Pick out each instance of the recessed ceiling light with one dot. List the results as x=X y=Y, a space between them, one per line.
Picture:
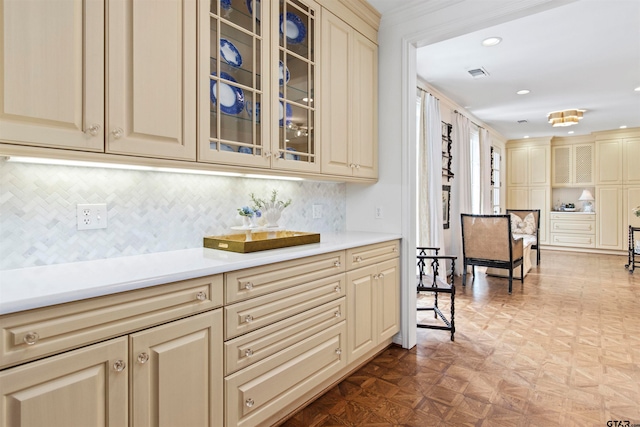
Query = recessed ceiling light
x=491 y=41
x=526 y=136
x=570 y=132
x=523 y=92
x=623 y=127
x=637 y=89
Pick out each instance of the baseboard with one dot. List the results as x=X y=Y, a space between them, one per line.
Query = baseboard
x=584 y=250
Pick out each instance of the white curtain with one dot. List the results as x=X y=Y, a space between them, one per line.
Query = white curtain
x=461 y=184
x=430 y=231
x=486 y=205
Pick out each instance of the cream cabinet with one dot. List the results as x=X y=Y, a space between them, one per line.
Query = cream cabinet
x=609 y=230
x=573 y=229
x=631 y=160
x=528 y=165
x=53 y=71
x=349 y=100
x=609 y=162
x=163 y=369
x=572 y=165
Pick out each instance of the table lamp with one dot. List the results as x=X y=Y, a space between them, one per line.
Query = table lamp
x=587 y=198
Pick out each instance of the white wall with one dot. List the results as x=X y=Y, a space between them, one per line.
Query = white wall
x=415 y=23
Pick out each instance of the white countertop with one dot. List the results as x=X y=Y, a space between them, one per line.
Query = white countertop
x=35 y=287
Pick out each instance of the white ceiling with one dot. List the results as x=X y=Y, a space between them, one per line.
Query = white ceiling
x=583 y=55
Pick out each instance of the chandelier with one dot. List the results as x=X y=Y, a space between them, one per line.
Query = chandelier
x=565 y=118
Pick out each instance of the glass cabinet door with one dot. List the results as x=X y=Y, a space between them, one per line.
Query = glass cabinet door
x=293 y=136
x=231 y=118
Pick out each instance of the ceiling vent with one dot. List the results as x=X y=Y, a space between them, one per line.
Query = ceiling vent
x=476 y=73
x=522 y=122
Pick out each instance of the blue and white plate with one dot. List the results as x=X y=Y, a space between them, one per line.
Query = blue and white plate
x=231 y=97
x=296 y=31
x=225 y=4
x=250 y=8
x=249 y=109
x=245 y=150
x=284 y=74
x=226 y=147
x=230 y=53
x=290 y=156
x=281 y=111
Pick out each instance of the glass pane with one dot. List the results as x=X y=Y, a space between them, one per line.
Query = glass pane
x=298 y=86
x=236 y=53
x=294 y=29
x=213 y=49
x=239 y=11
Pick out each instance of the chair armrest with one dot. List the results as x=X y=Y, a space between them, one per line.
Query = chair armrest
x=517 y=248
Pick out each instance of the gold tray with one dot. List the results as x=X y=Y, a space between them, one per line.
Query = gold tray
x=260 y=241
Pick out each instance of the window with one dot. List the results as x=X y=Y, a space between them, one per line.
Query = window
x=495 y=180
x=475 y=170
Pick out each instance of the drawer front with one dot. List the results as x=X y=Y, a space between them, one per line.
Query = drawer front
x=577 y=227
x=32 y=334
x=372 y=254
x=253 y=282
x=572 y=217
x=247 y=316
x=573 y=240
x=255 y=346
x=282 y=382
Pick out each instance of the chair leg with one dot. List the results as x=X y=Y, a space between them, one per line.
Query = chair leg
x=522 y=272
x=464 y=275
x=453 y=297
x=510 y=279
x=538 y=256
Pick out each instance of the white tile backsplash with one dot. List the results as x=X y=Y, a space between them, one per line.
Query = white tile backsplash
x=147 y=211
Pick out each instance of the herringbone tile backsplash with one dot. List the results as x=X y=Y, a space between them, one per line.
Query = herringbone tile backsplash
x=147 y=211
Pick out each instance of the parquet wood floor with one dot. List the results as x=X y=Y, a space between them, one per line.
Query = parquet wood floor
x=562 y=350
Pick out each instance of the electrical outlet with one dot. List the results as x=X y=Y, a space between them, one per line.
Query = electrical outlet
x=91 y=216
x=379 y=213
x=317 y=211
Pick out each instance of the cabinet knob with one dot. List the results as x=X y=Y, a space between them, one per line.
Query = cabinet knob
x=201 y=296
x=266 y=153
x=143 y=358
x=248 y=318
x=357 y=166
x=119 y=365
x=395 y=249
x=249 y=403
x=31 y=338
x=358 y=259
x=93 y=130
x=381 y=276
x=338 y=351
x=248 y=352
x=337 y=264
x=338 y=289
x=117 y=133
x=338 y=314
x=248 y=286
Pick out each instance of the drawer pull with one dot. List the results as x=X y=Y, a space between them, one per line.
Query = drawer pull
x=117 y=133
x=358 y=259
x=338 y=314
x=31 y=338
x=395 y=249
x=143 y=358
x=201 y=296
x=248 y=318
x=376 y=276
x=381 y=276
x=248 y=352
x=93 y=130
x=338 y=351
x=249 y=403
x=248 y=286
x=337 y=289
x=337 y=264
x=119 y=365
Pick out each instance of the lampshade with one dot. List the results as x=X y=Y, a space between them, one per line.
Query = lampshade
x=586 y=196
x=565 y=118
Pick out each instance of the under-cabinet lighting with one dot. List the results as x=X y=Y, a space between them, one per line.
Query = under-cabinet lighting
x=104 y=165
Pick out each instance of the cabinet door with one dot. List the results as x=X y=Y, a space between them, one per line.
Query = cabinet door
x=609 y=230
x=337 y=102
x=518 y=198
x=517 y=166
x=361 y=315
x=631 y=159
x=561 y=165
x=152 y=78
x=52 y=73
x=609 y=162
x=176 y=373
x=583 y=164
x=85 y=387
x=364 y=123
x=539 y=199
x=388 y=283
x=539 y=159
x=632 y=200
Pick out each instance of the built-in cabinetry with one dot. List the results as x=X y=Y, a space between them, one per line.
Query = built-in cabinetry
x=528 y=178
x=152 y=356
x=572 y=164
x=573 y=229
x=349 y=100
x=232 y=85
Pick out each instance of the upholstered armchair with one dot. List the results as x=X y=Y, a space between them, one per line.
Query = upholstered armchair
x=527 y=227
x=487 y=241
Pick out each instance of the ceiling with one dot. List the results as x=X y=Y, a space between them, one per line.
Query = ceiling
x=582 y=55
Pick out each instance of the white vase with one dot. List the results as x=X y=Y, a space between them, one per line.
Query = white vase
x=272 y=216
x=246 y=221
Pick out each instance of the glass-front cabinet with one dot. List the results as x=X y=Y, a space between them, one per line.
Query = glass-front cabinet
x=258 y=67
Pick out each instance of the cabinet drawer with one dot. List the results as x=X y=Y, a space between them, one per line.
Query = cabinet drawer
x=372 y=254
x=574 y=227
x=247 y=316
x=574 y=240
x=573 y=217
x=32 y=334
x=251 y=348
x=253 y=282
x=280 y=383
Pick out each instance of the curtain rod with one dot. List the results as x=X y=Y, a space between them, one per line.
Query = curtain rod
x=456 y=111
